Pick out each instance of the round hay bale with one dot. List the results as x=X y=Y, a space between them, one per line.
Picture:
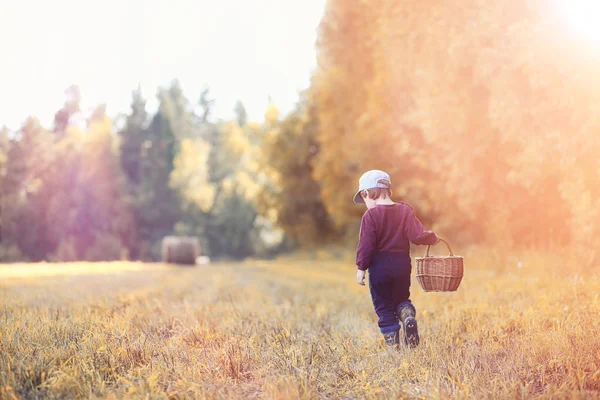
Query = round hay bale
x=180 y=250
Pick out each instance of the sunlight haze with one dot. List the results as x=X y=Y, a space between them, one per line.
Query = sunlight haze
x=241 y=50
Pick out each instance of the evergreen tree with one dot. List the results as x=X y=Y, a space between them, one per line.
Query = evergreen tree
x=241 y=116
x=132 y=142
x=132 y=139
x=158 y=205
x=206 y=104
x=176 y=108
x=71 y=107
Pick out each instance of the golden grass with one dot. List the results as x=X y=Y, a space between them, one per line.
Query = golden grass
x=293 y=329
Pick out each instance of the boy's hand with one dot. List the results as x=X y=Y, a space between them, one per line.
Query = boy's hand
x=360 y=277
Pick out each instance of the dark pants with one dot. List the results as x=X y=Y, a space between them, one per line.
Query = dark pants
x=389 y=282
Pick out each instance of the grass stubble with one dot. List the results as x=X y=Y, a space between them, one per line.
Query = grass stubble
x=521 y=327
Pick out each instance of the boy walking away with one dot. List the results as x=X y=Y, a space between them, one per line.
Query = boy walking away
x=386 y=230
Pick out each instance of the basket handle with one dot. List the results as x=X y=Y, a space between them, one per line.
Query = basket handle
x=441 y=240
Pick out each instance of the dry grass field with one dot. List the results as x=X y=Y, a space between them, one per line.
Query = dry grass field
x=518 y=327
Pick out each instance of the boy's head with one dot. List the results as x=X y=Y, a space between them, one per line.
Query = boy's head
x=372 y=185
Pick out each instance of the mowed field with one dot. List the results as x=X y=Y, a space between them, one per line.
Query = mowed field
x=518 y=327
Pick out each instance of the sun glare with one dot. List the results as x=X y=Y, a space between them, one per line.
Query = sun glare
x=582 y=16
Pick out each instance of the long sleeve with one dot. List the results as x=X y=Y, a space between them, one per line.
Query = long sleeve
x=367 y=242
x=416 y=233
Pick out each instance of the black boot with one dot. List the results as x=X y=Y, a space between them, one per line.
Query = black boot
x=392 y=338
x=407 y=315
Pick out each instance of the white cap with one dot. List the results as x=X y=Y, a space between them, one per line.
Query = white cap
x=369 y=180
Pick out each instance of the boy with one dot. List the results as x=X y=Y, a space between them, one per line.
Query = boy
x=386 y=230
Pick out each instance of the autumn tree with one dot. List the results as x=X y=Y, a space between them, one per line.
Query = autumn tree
x=289 y=194
x=481 y=112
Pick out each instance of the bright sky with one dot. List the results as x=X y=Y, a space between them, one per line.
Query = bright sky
x=241 y=49
x=582 y=15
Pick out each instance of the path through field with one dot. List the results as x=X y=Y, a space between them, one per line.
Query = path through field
x=291 y=329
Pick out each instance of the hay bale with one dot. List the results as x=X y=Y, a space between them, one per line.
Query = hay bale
x=180 y=250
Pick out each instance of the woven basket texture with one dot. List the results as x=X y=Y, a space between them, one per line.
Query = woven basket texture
x=439 y=274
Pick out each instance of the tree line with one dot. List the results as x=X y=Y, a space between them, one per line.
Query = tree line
x=483 y=114
x=109 y=190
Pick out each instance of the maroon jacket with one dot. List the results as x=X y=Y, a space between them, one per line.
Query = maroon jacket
x=390 y=228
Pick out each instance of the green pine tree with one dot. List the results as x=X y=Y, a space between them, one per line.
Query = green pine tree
x=157 y=204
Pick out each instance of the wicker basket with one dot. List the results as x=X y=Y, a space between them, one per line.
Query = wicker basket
x=439 y=273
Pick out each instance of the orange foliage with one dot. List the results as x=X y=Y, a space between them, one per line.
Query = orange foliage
x=483 y=113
